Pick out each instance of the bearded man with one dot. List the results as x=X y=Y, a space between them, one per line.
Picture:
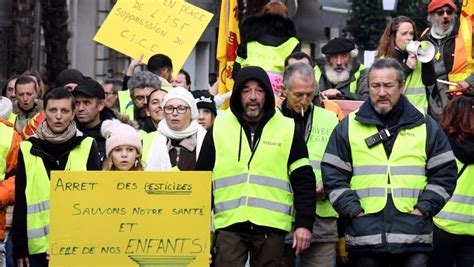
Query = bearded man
x=446 y=34
x=338 y=77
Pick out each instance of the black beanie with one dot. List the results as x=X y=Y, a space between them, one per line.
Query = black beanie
x=69 y=76
x=205 y=100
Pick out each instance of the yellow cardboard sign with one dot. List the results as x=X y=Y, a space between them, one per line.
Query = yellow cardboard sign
x=170 y=27
x=130 y=218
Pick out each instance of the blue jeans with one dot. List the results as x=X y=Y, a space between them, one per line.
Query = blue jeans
x=8 y=249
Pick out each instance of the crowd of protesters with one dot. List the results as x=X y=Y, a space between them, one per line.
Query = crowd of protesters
x=297 y=180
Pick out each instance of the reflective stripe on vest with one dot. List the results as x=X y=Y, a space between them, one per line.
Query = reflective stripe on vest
x=254 y=187
x=352 y=85
x=462 y=65
x=457 y=216
x=322 y=126
x=38 y=192
x=372 y=240
x=6 y=137
x=403 y=174
x=269 y=58
x=415 y=89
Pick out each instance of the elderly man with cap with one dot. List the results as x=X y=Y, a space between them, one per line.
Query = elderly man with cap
x=338 y=77
x=91 y=112
x=450 y=61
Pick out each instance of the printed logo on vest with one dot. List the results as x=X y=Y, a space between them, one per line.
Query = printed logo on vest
x=269 y=143
x=405 y=133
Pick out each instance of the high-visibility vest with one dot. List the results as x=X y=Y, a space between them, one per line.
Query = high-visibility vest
x=415 y=89
x=323 y=123
x=12 y=118
x=352 y=85
x=38 y=192
x=126 y=104
x=6 y=137
x=254 y=186
x=166 y=87
x=372 y=170
x=147 y=140
x=269 y=58
x=457 y=215
x=462 y=65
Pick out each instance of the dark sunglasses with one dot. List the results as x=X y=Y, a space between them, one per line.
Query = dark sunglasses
x=440 y=12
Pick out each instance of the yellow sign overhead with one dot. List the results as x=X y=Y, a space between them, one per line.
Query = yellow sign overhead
x=170 y=27
x=130 y=218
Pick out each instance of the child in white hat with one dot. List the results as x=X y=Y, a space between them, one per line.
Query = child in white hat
x=123 y=146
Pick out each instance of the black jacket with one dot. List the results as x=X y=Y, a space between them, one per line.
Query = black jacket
x=94 y=132
x=54 y=157
x=440 y=172
x=302 y=179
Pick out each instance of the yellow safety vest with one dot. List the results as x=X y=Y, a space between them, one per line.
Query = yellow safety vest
x=457 y=216
x=462 y=65
x=322 y=126
x=403 y=174
x=126 y=104
x=147 y=140
x=269 y=58
x=12 y=118
x=415 y=89
x=38 y=192
x=6 y=137
x=254 y=186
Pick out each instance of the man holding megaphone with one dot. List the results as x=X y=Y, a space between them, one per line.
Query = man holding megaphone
x=397 y=42
x=452 y=57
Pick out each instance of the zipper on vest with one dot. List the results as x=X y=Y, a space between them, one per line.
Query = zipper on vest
x=251 y=139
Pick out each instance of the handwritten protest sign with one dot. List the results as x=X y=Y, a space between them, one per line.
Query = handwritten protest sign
x=170 y=27
x=130 y=218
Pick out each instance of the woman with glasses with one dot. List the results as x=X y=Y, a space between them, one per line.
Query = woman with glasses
x=397 y=34
x=178 y=140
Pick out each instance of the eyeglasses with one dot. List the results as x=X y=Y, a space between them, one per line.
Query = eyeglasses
x=179 y=109
x=440 y=12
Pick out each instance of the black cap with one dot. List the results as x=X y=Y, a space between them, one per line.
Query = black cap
x=90 y=88
x=338 y=45
x=205 y=100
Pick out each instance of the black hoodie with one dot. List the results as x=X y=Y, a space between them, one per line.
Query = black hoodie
x=302 y=179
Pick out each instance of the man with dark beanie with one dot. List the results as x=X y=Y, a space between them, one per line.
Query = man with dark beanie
x=69 y=79
x=261 y=177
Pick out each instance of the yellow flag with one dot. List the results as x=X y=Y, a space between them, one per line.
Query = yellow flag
x=228 y=40
x=467 y=8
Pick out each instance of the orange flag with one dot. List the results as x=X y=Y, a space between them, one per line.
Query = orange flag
x=227 y=42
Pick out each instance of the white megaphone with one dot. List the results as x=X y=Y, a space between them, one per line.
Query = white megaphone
x=423 y=50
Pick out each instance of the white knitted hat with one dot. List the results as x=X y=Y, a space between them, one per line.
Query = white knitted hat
x=117 y=134
x=5 y=107
x=186 y=96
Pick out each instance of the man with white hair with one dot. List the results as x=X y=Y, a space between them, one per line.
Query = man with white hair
x=450 y=60
x=338 y=77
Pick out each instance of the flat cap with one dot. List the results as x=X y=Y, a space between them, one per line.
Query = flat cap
x=338 y=45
